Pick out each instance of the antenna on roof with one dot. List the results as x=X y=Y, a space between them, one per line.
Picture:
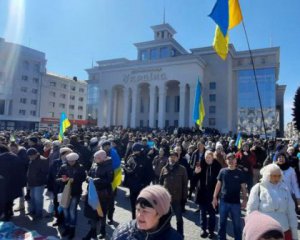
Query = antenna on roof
x=164 y=15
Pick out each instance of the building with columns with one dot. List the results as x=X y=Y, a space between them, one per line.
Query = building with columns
x=157 y=89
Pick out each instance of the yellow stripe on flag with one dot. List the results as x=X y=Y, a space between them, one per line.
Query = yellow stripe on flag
x=235 y=13
x=117 y=178
x=220 y=43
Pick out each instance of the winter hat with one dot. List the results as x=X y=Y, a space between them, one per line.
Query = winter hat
x=219 y=145
x=101 y=154
x=137 y=147
x=72 y=157
x=31 y=151
x=33 y=139
x=257 y=224
x=56 y=143
x=64 y=149
x=158 y=197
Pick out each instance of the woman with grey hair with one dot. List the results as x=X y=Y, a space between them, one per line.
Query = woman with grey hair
x=273 y=198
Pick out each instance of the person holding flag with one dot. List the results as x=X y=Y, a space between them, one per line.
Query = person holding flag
x=64 y=123
x=100 y=178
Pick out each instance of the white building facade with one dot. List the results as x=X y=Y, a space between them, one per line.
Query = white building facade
x=157 y=89
x=62 y=94
x=21 y=73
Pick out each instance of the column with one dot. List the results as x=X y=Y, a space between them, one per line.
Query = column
x=192 y=99
x=115 y=107
x=134 y=96
x=152 y=99
x=162 y=106
x=100 y=121
x=109 y=107
x=182 y=94
x=125 y=107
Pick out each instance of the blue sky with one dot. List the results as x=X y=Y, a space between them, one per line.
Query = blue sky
x=74 y=33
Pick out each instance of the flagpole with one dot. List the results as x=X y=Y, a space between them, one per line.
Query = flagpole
x=255 y=79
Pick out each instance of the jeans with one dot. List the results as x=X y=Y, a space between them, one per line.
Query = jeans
x=235 y=212
x=205 y=209
x=70 y=213
x=177 y=210
x=36 y=200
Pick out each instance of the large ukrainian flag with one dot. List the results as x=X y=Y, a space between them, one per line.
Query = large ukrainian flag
x=199 y=111
x=93 y=199
x=226 y=14
x=64 y=124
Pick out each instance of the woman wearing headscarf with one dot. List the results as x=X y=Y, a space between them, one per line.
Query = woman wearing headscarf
x=153 y=216
x=273 y=198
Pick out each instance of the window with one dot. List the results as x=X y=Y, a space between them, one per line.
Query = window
x=175 y=123
x=64 y=86
x=71 y=116
x=80 y=108
x=35 y=80
x=212 y=109
x=24 y=78
x=37 y=67
x=62 y=95
x=72 y=97
x=212 y=85
x=154 y=54
x=23 y=89
x=1 y=78
x=81 y=90
x=33 y=101
x=52 y=104
x=73 y=88
x=33 y=113
x=212 y=122
x=144 y=55
x=52 y=84
x=51 y=114
x=23 y=100
x=22 y=112
x=71 y=107
x=164 y=52
x=62 y=105
x=52 y=94
x=79 y=116
x=212 y=97
x=80 y=99
x=34 y=90
x=177 y=103
x=141 y=123
x=26 y=65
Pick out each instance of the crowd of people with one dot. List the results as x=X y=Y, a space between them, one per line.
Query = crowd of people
x=162 y=170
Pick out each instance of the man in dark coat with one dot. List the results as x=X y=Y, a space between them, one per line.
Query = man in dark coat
x=11 y=168
x=139 y=173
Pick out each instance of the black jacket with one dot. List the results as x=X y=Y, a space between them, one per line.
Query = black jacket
x=130 y=231
x=77 y=173
x=52 y=184
x=37 y=172
x=139 y=172
x=207 y=180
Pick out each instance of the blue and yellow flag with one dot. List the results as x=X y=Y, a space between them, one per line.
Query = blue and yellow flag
x=93 y=199
x=64 y=124
x=238 y=142
x=199 y=111
x=226 y=14
x=116 y=163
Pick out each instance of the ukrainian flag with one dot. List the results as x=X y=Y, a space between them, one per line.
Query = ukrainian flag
x=64 y=124
x=93 y=199
x=226 y=14
x=116 y=162
x=238 y=142
x=199 y=111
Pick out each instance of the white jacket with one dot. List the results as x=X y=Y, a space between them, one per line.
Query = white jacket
x=290 y=179
x=275 y=201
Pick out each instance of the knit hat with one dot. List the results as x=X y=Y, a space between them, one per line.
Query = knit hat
x=31 y=151
x=257 y=224
x=137 y=147
x=158 y=197
x=64 y=149
x=101 y=154
x=72 y=157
